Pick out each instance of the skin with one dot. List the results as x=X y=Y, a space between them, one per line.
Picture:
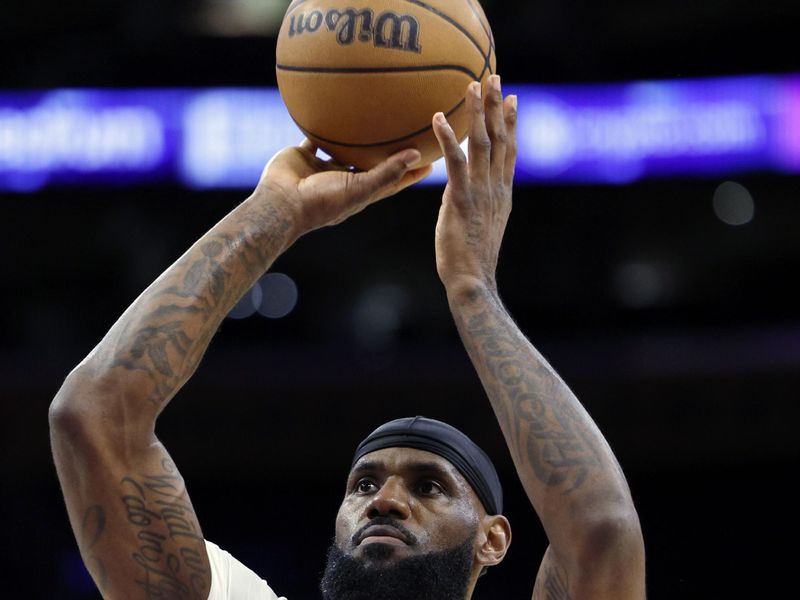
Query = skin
x=127 y=502
x=565 y=465
x=426 y=496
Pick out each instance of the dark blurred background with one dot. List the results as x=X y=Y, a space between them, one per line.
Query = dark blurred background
x=679 y=332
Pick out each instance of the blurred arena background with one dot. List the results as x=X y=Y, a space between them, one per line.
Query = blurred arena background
x=663 y=292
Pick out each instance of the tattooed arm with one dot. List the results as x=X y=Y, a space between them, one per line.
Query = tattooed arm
x=127 y=503
x=570 y=475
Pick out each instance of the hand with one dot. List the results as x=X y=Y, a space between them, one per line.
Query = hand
x=477 y=200
x=321 y=193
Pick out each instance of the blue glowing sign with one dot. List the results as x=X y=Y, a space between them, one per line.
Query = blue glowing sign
x=221 y=138
x=87 y=137
x=621 y=133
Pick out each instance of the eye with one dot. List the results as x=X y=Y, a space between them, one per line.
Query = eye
x=365 y=486
x=429 y=487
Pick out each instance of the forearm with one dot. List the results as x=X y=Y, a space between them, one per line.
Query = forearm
x=127 y=502
x=159 y=341
x=565 y=465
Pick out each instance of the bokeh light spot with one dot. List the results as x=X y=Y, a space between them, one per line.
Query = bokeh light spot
x=248 y=305
x=733 y=204
x=279 y=295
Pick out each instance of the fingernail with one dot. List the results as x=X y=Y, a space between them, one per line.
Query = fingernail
x=514 y=102
x=476 y=88
x=496 y=83
x=410 y=157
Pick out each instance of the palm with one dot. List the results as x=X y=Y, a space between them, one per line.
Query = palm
x=325 y=192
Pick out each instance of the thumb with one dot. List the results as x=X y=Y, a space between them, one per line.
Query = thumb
x=386 y=178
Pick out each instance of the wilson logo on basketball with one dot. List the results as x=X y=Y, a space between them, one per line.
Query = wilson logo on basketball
x=388 y=30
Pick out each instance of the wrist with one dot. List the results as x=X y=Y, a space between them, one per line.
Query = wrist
x=464 y=291
x=281 y=216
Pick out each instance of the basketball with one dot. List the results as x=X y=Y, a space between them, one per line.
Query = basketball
x=363 y=78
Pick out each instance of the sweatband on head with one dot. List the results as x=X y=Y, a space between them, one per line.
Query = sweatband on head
x=448 y=442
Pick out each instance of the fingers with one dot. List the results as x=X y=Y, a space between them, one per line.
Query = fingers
x=412 y=177
x=454 y=158
x=388 y=177
x=496 y=128
x=510 y=113
x=480 y=145
x=492 y=137
x=308 y=145
x=309 y=148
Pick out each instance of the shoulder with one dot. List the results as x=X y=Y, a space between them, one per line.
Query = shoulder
x=231 y=580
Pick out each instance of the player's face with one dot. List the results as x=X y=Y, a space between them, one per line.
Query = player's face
x=403 y=502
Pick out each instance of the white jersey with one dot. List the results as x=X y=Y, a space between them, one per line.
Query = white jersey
x=231 y=580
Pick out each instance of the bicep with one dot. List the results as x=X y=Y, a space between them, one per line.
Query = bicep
x=132 y=517
x=594 y=581
x=552 y=581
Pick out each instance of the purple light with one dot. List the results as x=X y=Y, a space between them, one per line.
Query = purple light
x=787 y=145
x=78 y=137
x=621 y=133
x=221 y=138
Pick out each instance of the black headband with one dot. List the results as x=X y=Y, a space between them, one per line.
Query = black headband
x=446 y=441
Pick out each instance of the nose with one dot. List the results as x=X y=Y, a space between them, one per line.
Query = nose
x=391 y=500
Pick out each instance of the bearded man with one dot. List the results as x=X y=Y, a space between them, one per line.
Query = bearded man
x=422 y=515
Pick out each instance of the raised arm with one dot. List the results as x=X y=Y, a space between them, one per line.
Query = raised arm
x=566 y=467
x=127 y=502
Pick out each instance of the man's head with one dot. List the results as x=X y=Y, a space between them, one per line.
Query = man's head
x=420 y=518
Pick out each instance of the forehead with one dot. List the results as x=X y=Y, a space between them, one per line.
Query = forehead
x=395 y=460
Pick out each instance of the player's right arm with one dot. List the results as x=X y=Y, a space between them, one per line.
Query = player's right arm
x=127 y=502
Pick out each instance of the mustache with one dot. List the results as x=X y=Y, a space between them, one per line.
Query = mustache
x=411 y=539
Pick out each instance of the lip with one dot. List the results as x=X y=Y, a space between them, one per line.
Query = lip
x=382 y=534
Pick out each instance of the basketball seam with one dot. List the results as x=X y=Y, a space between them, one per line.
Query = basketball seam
x=375 y=144
x=371 y=70
x=489 y=35
x=447 y=18
x=486 y=29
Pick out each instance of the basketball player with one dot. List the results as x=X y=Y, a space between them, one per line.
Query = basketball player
x=422 y=514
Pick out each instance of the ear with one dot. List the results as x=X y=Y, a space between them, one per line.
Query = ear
x=495 y=540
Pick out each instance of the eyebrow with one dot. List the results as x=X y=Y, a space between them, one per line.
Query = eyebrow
x=368 y=466
x=372 y=466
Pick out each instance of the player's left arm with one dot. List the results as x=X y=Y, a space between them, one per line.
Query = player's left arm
x=566 y=466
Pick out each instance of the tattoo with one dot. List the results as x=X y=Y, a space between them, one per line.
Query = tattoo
x=543 y=423
x=92 y=528
x=158 y=506
x=475 y=235
x=167 y=341
x=552 y=584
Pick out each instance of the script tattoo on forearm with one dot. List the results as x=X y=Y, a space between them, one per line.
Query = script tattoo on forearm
x=543 y=422
x=168 y=336
x=92 y=528
x=170 y=552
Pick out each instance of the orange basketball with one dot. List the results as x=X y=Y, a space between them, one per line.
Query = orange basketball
x=363 y=78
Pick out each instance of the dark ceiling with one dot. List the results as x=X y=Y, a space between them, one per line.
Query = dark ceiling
x=151 y=42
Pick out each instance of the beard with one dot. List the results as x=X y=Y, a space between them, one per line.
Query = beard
x=442 y=575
